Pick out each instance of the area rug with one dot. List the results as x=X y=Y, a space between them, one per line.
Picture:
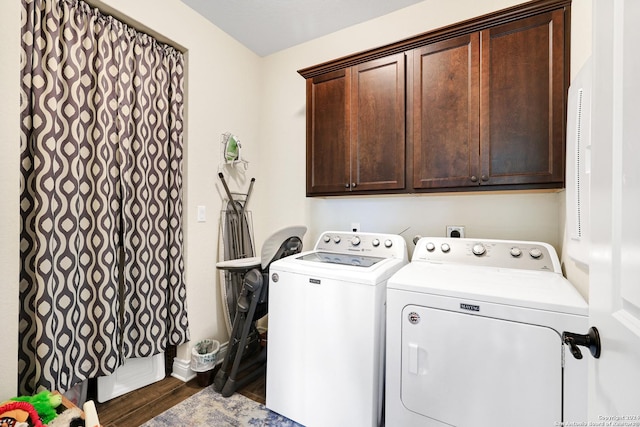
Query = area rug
x=209 y=408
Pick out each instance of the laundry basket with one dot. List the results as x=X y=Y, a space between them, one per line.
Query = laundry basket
x=203 y=360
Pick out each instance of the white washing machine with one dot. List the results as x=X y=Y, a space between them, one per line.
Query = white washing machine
x=474 y=337
x=325 y=352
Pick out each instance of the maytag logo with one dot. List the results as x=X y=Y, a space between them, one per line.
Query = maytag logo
x=469 y=307
x=314 y=281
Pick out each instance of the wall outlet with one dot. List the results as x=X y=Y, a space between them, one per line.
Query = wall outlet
x=355 y=227
x=455 y=231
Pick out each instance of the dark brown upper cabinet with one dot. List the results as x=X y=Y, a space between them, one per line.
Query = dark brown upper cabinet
x=488 y=107
x=445 y=113
x=355 y=128
x=522 y=101
x=328 y=147
x=477 y=105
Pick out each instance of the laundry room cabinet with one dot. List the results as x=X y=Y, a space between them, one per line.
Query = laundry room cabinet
x=355 y=128
x=488 y=107
x=445 y=113
x=478 y=105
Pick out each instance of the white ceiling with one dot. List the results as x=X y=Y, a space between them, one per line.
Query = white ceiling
x=268 y=26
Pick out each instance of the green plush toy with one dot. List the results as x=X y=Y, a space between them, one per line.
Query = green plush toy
x=45 y=404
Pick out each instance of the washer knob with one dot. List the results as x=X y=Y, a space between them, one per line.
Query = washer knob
x=515 y=252
x=535 y=253
x=445 y=247
x=326 y=238
x=388 y=243
x=431 y=247
x=375 y=243
x=337 y=239
x=355 y=241
x=478 y=249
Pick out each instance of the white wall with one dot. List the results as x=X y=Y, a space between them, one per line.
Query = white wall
x=581 y=42
x=9 y=191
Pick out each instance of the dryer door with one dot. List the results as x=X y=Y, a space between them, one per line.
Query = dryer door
x=468 y=370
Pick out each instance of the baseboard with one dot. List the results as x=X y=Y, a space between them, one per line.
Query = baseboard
x=182 y=370
x=222 y=353
x=182 y=367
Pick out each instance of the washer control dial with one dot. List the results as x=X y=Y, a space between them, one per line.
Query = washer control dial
x=431 y=247
x=355 y=241
x=478 y=249
x=388 y=243
x=337 y=239
x=535 y=253
x=445 y=247
x=375 y=243
x=515 y=252
x=326 y=238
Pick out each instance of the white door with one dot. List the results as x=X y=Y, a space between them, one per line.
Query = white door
x=614 y=290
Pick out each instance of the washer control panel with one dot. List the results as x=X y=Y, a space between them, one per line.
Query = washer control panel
x=517 y=254
x=366 y=244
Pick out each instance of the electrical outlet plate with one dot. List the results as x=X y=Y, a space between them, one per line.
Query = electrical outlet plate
x=455 y=231
x=355 y=227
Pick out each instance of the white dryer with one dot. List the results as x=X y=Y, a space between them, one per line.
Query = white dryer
x=474 y=337
x=325 y=352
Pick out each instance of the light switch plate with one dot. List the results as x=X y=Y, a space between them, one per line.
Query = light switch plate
x=202 y=213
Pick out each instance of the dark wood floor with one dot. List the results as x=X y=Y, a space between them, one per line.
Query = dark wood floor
x=139 y=406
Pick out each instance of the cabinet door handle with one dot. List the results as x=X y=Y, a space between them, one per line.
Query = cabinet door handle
x=346 y=185
x=354 y=185
x=484 y=178
x=474 y=178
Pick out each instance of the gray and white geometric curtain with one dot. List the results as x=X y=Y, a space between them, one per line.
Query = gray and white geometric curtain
x=102 y=272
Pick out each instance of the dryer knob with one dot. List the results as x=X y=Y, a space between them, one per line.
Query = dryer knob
x=326 y=238
x=445 y=247
x=431 y=247
x=336 y=239
x=515 y=252
x=479 y=249
x=375 y=243
x=388 y=243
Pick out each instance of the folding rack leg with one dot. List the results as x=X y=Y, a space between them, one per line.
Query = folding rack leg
x=247 y=303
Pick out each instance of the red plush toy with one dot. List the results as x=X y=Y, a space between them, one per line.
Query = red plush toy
x=19 y=406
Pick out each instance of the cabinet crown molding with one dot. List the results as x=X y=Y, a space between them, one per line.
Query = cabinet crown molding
x=483 y=22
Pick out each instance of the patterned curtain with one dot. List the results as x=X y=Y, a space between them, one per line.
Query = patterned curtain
x=102 y=276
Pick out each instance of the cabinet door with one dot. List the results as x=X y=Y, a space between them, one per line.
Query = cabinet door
x=377 y=124
x=328 y=97
x=445 y=113
x=522 y=101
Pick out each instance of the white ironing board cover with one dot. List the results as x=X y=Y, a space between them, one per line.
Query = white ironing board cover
x=269 y=249
x=240 y=263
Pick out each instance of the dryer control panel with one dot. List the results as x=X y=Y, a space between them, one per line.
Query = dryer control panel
x=365 y=244
x=522 y=255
